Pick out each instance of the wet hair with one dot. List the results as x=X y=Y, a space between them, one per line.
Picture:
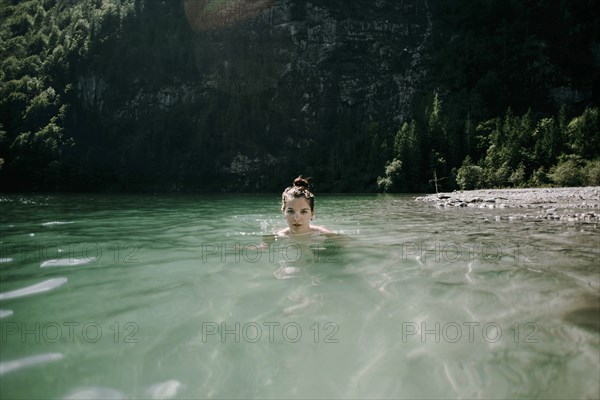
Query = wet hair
x=300 y=188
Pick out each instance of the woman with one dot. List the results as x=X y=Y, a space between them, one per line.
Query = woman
x=298 y=206
x=299 y=248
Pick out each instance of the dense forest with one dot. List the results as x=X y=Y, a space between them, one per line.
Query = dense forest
x=204 y=95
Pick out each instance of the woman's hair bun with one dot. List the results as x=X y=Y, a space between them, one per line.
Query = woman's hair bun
x=301 y=182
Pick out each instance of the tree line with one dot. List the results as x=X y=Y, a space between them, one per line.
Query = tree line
x=506 y=101
x=512 y=100
x=505 y=151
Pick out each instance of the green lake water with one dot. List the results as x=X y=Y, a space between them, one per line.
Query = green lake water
x=180 y=297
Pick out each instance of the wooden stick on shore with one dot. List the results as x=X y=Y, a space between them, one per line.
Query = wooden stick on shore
x=436 y=181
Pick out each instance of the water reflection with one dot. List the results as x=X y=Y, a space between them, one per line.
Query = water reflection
x=410 y=302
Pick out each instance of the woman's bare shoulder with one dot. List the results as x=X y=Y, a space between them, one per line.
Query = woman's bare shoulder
x=321 y=229
x=283 y=232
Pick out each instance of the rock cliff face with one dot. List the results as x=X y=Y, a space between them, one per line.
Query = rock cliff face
x=243 y=95
x=317 y=57
x=276 y=88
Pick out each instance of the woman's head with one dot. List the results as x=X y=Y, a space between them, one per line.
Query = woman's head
x=297 y=204
x=299 y=189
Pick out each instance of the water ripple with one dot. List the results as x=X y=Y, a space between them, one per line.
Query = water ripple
x=34 y=289
x=95 y=393
x=9 y=366
x=67 y=262
x=164 y=390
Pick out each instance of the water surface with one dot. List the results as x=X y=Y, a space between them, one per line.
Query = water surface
x=178 y=297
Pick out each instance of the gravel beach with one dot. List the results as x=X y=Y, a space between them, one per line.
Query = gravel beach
x=576 y=204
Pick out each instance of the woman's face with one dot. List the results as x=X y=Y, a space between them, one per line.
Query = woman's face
x=298 y=215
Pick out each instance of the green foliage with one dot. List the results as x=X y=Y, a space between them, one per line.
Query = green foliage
x=437 y=135
x=539 y=178
x=592 y=172
x=572 y=170
x=393 y=180
x=584 y=134
x=549 y=141
x=41 y=108
x=568 y=171
x=469 y=176
x=509 y=149
x=492 y=55
x=46 y=47
x=407 y=150
x=517 y=177
x=108 y=91
x=517 y=151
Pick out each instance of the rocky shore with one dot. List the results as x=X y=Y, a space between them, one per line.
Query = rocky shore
x=577 y=204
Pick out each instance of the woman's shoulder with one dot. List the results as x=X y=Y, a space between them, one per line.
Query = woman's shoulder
x=321 y=229
x=283 y=232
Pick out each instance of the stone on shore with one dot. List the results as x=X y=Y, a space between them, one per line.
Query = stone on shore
x=576 y=204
